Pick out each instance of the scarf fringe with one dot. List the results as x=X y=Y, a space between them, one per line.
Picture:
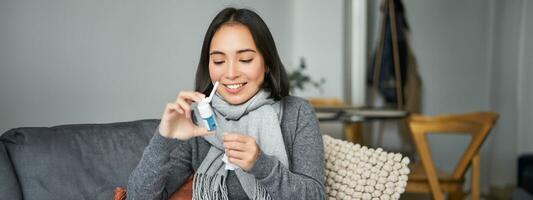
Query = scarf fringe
x=261 y=193
x=209 y=187
x=214 y=187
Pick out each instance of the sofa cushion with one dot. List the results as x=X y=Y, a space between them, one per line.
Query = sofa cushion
x=9 y=185
x=84 y=161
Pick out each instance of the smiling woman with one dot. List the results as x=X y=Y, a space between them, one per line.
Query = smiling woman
x=267 y=144
x=239 y=46
x=235 y=62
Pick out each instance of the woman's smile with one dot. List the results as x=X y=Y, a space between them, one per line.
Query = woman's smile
x=234 y=88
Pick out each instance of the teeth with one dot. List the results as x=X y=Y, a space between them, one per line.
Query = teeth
x=234 y=86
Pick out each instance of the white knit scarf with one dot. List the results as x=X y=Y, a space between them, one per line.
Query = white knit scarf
x=260 y=118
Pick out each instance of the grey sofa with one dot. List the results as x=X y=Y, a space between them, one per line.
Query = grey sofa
x=83 y=161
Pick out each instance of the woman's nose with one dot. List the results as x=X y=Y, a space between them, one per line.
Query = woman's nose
x=232 y=71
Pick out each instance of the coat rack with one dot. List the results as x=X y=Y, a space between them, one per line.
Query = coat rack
x=390 y=13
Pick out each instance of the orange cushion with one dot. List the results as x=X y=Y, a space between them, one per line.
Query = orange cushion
x=120 y=194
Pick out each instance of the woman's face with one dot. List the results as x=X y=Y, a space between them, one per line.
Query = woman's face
x=236 y=63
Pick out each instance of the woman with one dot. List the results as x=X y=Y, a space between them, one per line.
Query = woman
x=272 y=138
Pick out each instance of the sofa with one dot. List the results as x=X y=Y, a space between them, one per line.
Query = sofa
x=94 y=161
x=81 y=161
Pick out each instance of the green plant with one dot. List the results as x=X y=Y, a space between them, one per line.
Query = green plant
x=298 y=79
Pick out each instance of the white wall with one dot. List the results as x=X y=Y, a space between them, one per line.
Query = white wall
x=65 y=61
x=525 y=81
x=318 y=37
x=450 y=41
x=511 y=95
x=504 y=93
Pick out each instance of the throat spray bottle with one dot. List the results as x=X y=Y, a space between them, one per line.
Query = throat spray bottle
x=206 y=112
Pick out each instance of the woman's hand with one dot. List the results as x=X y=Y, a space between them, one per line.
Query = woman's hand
x=176 y=120
x=242 y=150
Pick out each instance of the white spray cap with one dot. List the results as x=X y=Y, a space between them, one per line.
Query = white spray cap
x=203 y=106
x=208 y=99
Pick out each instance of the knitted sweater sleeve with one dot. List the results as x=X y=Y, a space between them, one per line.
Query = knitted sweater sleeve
x=305 y=178
x=161 y=159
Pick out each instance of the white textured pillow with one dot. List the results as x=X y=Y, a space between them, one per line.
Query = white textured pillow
x=358 y=172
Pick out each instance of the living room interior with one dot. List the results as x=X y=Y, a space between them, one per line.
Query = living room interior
x=97 y=62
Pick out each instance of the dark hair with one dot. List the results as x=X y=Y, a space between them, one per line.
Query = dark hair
x=275 y=81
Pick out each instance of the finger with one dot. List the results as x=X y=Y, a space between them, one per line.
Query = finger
x=171 y=108
x=201 y=131
x=240 y=155
x=230 y=137
x=199 y=94
x=185 y=107
x=238 y=146
x=188 y=95
x=243 y=164
x=178 y=109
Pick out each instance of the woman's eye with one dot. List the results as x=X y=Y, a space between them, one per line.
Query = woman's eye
x=218 y=62
x=246 y=61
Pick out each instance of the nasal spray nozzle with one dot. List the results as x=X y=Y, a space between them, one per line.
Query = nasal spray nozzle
x=206 y=112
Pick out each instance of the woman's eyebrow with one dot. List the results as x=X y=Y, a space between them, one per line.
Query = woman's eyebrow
x=217 y=52
x=246 y=50
x=239 y=51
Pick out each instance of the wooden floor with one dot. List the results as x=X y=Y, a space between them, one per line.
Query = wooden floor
x=504 y=193
x=409 y=196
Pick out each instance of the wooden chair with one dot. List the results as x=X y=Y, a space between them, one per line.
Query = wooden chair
x=425 y=178
x=353 y=132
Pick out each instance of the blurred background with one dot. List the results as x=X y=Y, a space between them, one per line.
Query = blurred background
x=64 y=62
